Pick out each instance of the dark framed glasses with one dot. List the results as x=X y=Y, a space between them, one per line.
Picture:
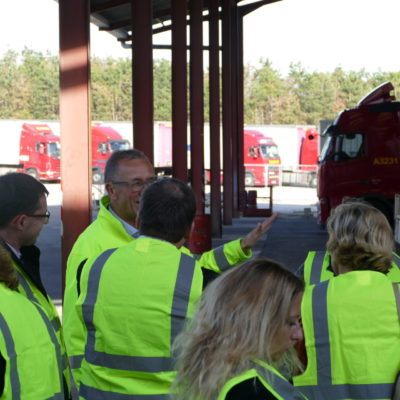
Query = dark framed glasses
x=45 y=216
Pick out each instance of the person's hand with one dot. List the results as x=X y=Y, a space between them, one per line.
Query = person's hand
x=252 y=237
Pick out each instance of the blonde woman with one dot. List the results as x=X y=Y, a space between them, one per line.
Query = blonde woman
x=247 y=322
x=351 y=322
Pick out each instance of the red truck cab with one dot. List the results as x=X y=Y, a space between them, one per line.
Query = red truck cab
x=361 y=154
x=105 y=140
x=261 y=159
x=39 y=152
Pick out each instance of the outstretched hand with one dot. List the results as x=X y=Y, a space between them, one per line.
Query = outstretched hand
x=253 y=236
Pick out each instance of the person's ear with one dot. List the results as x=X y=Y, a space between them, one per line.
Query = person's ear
x=18 y=221
x=110 y=190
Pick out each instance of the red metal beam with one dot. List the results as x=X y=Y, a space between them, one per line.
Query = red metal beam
x=75 y=122
x=227 y=111
x=197 y=103
x=179 y=90
x=215 y=120
x=142 y=77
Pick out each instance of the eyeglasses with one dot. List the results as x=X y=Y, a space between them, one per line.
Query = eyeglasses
x=136 y=184
x=45 y=216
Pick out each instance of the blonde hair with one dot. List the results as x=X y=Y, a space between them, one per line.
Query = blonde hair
x=360 y=237
x=7 y=271
x=239 y=315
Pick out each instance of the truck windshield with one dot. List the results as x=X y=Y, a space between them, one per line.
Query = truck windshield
x=53 y=149
x=119 y=145
x=325 y=148
x=269 y=151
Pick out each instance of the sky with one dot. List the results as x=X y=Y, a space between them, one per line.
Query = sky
x=320 y=34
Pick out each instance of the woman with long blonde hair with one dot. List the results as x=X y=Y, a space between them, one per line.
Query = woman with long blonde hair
x=241 y=337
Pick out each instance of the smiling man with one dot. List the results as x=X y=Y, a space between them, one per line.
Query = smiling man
x=23 y=214
x=127 y=174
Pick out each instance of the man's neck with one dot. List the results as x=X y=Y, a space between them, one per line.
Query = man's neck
x=10 y=239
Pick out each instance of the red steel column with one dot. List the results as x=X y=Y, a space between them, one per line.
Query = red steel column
x=197 y=102
x=234 y=105
x=179 y=90
x=215 y=130
x=74 y=122
x=227 y=109
x=240 y=117
x=142 y=76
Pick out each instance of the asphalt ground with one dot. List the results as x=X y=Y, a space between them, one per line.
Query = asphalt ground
x=293 y=234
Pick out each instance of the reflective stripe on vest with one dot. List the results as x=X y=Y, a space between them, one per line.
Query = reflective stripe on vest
x=57 y=347
x=29 y=294
x=325 y=388
x=178 y=314
x=220 y=258
x=9 y=341
x=87 y=392
x=316 y=267
x=285 y=389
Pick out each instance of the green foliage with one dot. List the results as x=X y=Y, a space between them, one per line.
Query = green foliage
x=29 y=89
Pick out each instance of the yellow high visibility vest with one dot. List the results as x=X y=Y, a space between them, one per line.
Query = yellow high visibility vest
x=352 y=336
x=276 y=385
x=30 y=349
x=134 y=302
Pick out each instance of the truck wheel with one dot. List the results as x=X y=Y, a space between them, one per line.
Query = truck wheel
x=249 y=179
x=97 y=177
x=33 y=173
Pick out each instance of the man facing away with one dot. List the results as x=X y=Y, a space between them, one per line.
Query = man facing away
x=23 y=213
x=127 y=174
x=135 y=299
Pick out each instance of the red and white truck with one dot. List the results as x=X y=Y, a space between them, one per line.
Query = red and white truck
x=31 y=148
x=34 y=148
x=299 y=149
x=361 y=154
x=261 y=155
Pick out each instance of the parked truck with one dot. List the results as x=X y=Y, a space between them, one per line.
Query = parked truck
x=31 y=148
x=361 y=154
x=34 y=148
x=299 y=149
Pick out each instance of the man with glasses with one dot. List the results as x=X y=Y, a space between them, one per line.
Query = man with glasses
x=127 y=174
x=23 y=213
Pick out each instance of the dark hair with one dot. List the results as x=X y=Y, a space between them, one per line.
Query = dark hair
x=167 y=210
x=19 y=194
x=112 y=163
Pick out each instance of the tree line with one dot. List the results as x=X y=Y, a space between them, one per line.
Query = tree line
x=29 y=89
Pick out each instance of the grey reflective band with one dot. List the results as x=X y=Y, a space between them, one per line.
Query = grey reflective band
x=179 y=309
x=56 y=344
x=76 y=361
x=349 y=391
x=281 y=386
x=325 y=389
x=321 y=333
x=55 y=322
x=181 y=297
x=89 y=393
x=397 y=297
x=58 y=396
x=9 y=341
x=220 y=258
x=316 y=267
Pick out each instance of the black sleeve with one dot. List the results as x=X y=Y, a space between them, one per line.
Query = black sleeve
x=208 y=276
x=251 y=389
x=78 y=276
x=2 y=373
